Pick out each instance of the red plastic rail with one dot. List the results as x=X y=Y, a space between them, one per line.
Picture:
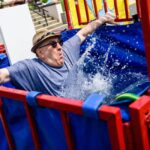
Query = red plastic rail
x=105 y=6
x=126 y=9
x=21 y=96
x=78 y=11
x=109 y=114
x=68 y=14
x=86 y=10
x=138 y=111
x=145 y=18
x=116 y=9
x=32 y=126
x=67 y=130
x=128 y=136
x=2 y=48
x=138 y=8
x=80 y=22
x=95 y=8
x=6 y=127
x=61 y=104
x=115 y=127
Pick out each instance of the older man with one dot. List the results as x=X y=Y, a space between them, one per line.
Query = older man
x=50 y=69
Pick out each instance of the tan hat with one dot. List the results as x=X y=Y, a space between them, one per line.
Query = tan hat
x=41 y=36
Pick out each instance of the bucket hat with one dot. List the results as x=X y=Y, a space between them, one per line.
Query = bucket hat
x=41 y=36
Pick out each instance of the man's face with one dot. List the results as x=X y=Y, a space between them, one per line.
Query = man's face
x=50 y=52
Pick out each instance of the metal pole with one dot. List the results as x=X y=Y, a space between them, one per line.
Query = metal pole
x=68 y=14
x=145 y=19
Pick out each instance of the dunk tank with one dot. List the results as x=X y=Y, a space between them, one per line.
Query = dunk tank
x=105 y=103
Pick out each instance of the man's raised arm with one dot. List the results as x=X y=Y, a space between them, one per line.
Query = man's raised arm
x=92 y=26
x=4 y=76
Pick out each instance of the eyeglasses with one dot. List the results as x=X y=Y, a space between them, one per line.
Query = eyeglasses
x=52 y=43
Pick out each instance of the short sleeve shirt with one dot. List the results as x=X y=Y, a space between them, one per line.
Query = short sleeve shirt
x=35 y=75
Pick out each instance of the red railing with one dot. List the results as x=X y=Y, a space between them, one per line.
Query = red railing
x=145 y=19
x=2 y=48
x=140 y=130
x=126 y=134
x=61 y=104
x=127 y=16
x=6 y=127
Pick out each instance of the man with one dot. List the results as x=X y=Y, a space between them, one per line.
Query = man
x=50 y=69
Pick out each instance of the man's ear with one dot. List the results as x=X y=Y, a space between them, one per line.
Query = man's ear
x=39 y=53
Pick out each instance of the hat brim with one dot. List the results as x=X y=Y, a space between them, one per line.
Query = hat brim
x=34 y=48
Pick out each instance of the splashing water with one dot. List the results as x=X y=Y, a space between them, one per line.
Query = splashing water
x=81 y=84
x=141 y=79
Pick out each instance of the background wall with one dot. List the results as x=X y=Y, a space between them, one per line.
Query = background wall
x=1 y=40
x=17 y=30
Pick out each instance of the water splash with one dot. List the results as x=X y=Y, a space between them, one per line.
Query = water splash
x=101 y=78
x=79 y=84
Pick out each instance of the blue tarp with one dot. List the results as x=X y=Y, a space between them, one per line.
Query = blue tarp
x=126 y=46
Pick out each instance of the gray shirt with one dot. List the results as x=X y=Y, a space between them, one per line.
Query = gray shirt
x=35 y=75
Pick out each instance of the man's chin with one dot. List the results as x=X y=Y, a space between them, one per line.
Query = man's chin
x=60 y=64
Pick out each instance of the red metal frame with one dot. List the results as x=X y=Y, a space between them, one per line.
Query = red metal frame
x=124 y=137
x=32 y=126
x=78 y=11
x=67 y=130
x=68 y=14
x=6 y=127
x=126 y=9
x=128 y=136
x=113 y=118
x=86 y=10
x=61 y=104
x=2 y=48
x=95 y=8
x=80 y=22
x=138 y=111
x=138 y=8
x=116 y=9
x=109 y=114
x=105 y=6
x=145 y=19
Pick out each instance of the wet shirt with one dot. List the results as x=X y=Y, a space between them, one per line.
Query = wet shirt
x=35 y=75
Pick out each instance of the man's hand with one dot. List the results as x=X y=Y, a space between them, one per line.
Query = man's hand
x=92 y=26
x=4 y=76
x=107 y=18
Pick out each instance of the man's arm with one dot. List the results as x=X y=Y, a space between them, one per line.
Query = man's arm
x=4 y=76
x=92 y=26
